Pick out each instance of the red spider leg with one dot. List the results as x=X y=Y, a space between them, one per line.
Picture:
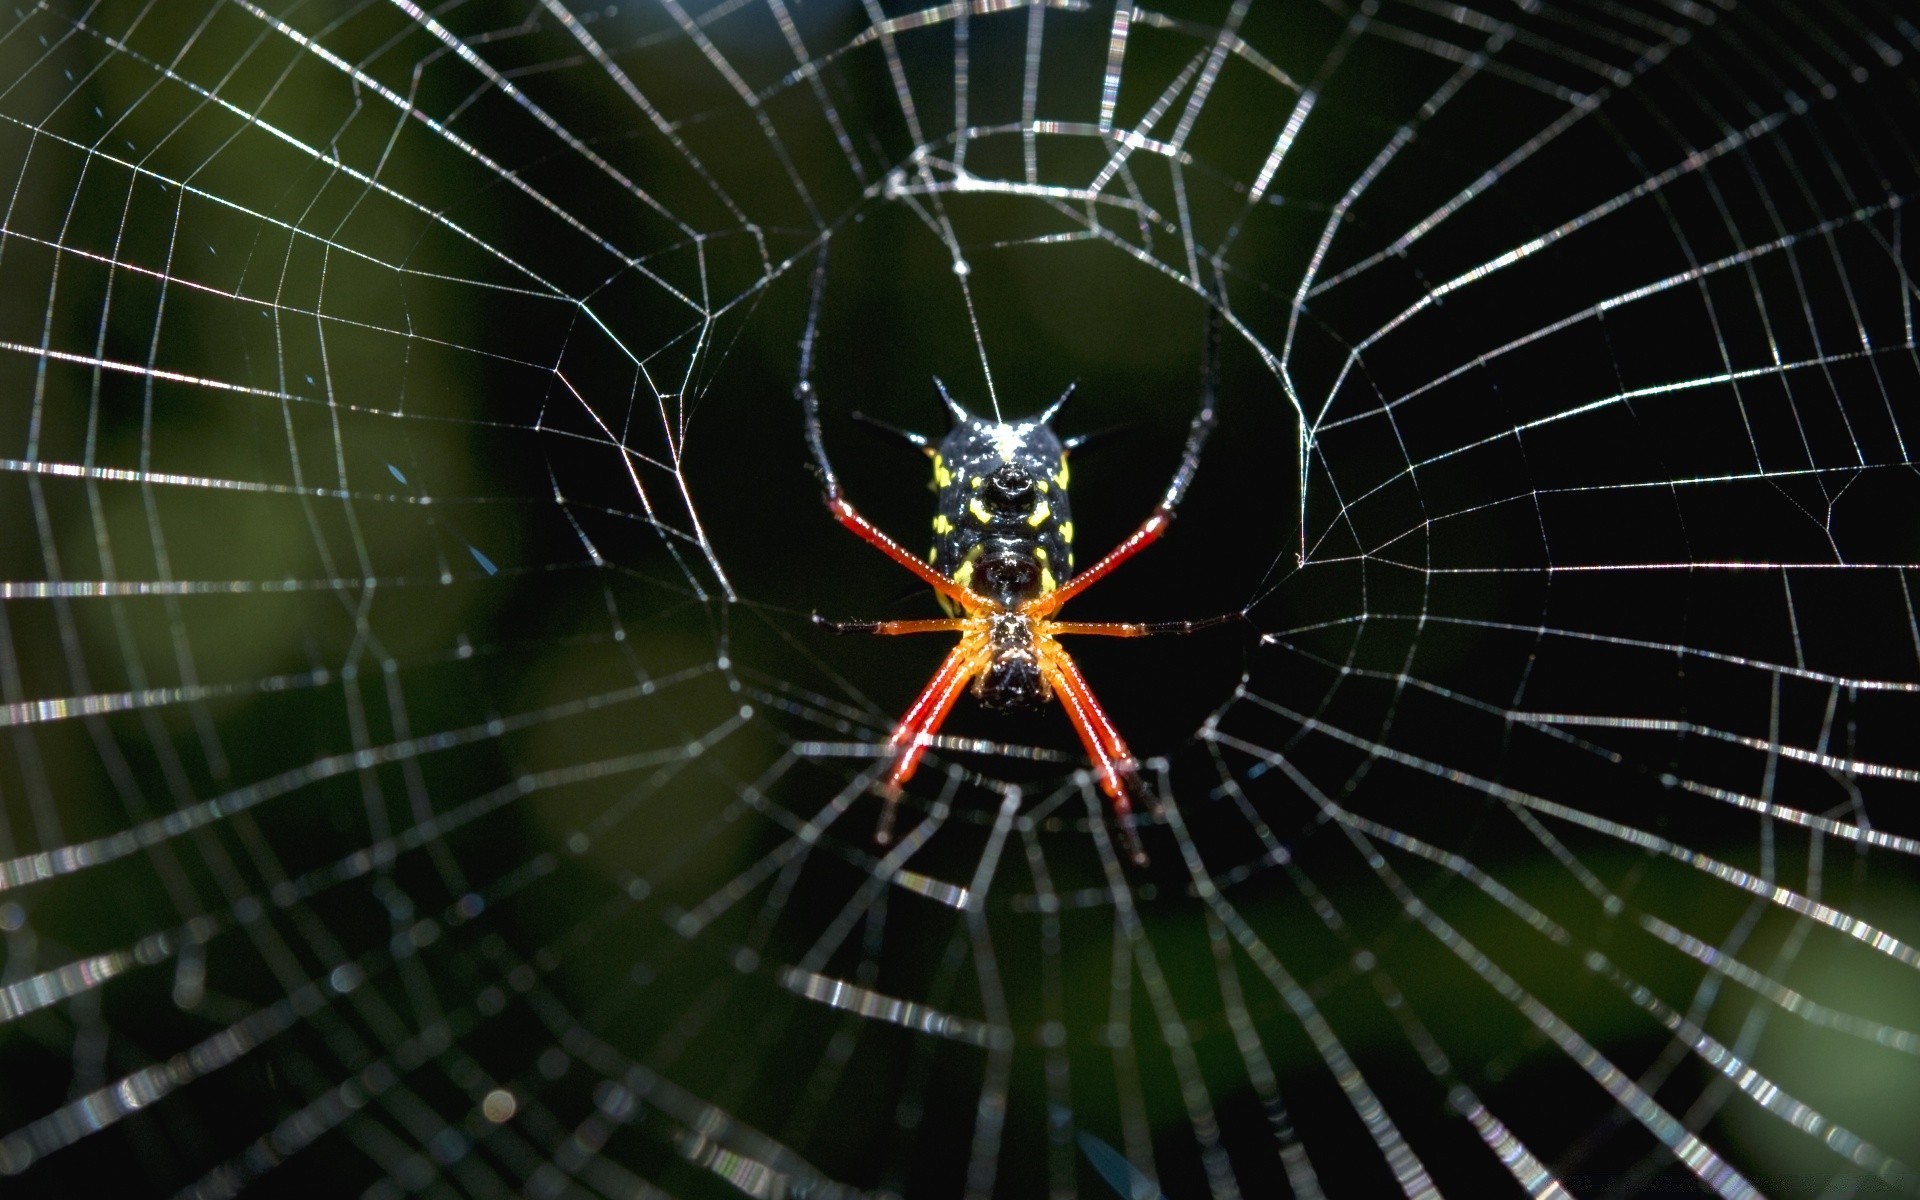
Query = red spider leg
x=915 y=731
x=1150 y=529
x=1114 y=764
x=1148 y=533
x=845 y=513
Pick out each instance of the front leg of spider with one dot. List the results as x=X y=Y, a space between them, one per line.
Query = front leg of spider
x=1002 y=565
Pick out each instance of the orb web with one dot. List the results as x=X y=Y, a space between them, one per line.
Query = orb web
x=421 y=773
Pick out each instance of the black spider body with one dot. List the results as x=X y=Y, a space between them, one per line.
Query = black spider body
x=1002 y=565
x=1002 y=524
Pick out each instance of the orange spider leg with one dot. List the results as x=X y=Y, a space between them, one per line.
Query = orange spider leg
x=892 y=628
x=916 y=729
x=1114 y=764
x=936 y=625
x=845 y=513
x=1130 y=629
x=1098 y=628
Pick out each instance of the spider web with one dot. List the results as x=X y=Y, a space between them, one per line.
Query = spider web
x=421 y=774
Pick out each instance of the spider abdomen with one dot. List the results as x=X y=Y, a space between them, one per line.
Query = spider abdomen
x=1002 y=525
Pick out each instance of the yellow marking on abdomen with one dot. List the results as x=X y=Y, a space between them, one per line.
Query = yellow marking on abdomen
x=1046 y=579
x=1061 y=477
x=979 y=512
x=1041 y=512
x=941 y=524
x=964 y=576
x=941 y=475
x=1066 y=532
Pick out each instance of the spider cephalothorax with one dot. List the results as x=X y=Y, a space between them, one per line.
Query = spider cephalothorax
x=1014 y=678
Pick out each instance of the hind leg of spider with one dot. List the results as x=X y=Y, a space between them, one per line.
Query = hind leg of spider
x=1114 y=766
x=916 y=729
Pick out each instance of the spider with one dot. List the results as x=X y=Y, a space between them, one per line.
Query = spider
x=1002 y=567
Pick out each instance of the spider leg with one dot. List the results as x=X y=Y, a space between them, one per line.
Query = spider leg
x=845 y=513
x=1114 y=765
x=1139 y=628
x=1138 y=540
x=1150 y=530
x=914 y=733
x=890 y=628
x=837 y=504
